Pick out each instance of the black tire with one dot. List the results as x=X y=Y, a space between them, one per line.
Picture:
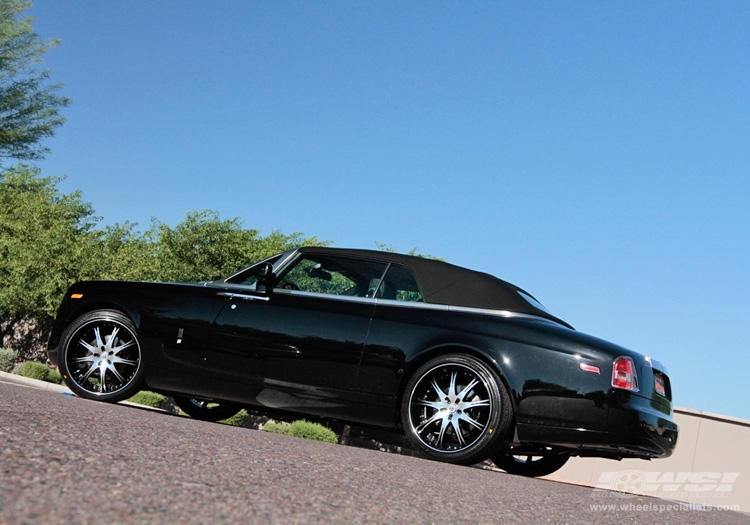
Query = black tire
x=206 y=410
x=531 y=465
x=456 y=409
x=100 y=356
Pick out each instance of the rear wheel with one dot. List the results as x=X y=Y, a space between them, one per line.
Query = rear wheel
x=531 y=464
x=100 y=357
x=206 y=410
x=456 y=409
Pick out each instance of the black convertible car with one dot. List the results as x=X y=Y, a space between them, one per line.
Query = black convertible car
x=468 y=366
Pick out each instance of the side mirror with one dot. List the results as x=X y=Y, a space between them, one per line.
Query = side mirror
x=265 y=277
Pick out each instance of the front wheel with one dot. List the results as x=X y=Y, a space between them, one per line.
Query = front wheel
x=456 y=409
x=532 y=465
x=206 y=410
x=100 y=357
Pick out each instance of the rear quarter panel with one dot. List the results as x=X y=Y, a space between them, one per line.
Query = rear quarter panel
x=538 y=361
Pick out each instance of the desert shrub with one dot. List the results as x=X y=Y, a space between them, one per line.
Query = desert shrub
x=303 y=429
x=39 y=371
x=7 y=359
x=55 y=377
x=149 y=399
x=276 y=428
x=236 y=420
x=316 y=431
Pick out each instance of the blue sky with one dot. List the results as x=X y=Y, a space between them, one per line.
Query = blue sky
x=593 y=153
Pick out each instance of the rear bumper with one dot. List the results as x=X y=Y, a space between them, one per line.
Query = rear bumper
x=644 y=425
x=636 y=428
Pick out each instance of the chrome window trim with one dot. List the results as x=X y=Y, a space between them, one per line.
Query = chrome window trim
x=318 y=295
x=498 y=313
x=463 y=309
x=284 y=259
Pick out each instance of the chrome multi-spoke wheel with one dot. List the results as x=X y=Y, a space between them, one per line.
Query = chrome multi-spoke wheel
x=531 y=463
x=101 y=357
x=455 y=409
x=205 y=409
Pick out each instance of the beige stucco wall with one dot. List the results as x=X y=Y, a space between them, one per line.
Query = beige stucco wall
x=710 y=466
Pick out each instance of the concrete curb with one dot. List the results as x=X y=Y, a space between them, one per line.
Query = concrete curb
x=33 y=383
x=60 y=389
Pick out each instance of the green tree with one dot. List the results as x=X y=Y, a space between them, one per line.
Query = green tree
x=205 y=247
x=45 y=242
x=29 y=104
x=120 y=252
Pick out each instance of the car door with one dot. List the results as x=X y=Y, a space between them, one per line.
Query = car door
x=305 y=335
x=399 y=329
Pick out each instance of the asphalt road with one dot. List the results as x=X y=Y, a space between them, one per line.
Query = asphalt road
x=69 y=460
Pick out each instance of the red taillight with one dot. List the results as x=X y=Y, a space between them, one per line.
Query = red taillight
x=623 y=374
x=659 y=384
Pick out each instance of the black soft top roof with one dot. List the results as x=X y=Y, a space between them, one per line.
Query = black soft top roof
x=444 y=283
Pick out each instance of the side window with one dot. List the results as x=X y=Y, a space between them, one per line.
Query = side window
x=333 y=275
x=400 y=285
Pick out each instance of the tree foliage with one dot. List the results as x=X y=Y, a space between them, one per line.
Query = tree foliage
x=29 y=104
x=204 y=247
x=121 y=253
x=45 y=242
